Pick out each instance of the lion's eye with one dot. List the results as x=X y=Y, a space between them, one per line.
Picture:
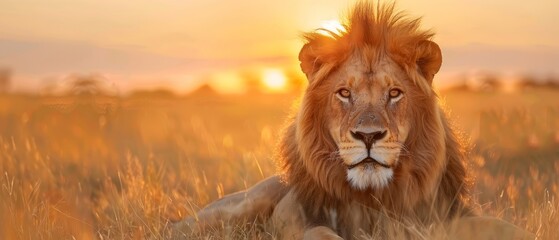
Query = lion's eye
x=344 y=93
x=395 y=93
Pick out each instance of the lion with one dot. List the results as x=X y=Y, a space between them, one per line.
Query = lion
x=370 y=144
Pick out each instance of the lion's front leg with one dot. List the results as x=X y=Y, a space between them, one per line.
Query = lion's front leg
x=290 y=223
x=245 y=206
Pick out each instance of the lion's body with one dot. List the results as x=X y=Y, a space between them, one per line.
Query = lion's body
x=427 y=178
x=369 y=148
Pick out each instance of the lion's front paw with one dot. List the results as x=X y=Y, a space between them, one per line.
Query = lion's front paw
x=185 y=228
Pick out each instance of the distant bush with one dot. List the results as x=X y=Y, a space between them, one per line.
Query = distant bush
x=156 y=93
x=490 y=83
x=531 y=82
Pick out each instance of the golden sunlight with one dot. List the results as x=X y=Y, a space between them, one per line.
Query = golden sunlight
x=274 y=79
x=333 y=26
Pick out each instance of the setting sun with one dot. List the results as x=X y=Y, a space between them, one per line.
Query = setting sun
x=274 y=79
x=333 y=26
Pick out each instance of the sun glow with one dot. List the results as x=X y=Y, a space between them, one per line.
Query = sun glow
x=331 y=26
x=274 y=79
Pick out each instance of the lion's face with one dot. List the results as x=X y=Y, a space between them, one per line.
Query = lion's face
x=369 y=119
x=369 y=123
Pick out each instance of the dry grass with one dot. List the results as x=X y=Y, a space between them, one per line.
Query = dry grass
x=87 y=167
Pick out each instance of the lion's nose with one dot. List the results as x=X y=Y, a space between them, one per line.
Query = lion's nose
x=368 y=138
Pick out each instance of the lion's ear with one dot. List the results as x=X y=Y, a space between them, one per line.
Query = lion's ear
x=309 y=60
x=429 y=59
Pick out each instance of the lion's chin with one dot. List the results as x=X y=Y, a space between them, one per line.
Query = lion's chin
x=368 y=176
x=368 y=161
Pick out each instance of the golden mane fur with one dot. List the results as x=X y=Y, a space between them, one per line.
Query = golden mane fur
x=431 y=176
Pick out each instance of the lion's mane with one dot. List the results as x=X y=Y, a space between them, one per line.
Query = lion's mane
x=431 y=172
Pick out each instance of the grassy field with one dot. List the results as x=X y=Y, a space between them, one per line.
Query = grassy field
x=92 y=167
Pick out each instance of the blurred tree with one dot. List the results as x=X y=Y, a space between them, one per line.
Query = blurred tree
x=253 y=82
x=461 y=84
x=204 y=90
x=159 y=93
x=531 y=82
x=458 y=87
x=527 y=82
x=86 y=84
x=551 y=82
x=490 y=82
x=5 y=80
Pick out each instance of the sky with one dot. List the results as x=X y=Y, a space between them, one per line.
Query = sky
x=180 y=44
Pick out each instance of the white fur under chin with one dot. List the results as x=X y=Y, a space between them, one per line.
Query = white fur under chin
x=369 y=176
